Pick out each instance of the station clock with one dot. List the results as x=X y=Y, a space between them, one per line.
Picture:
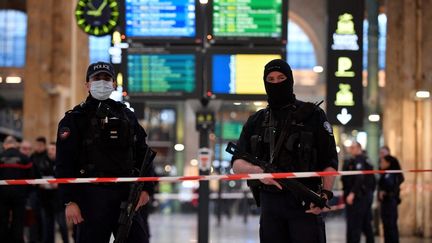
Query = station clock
x=97 y=17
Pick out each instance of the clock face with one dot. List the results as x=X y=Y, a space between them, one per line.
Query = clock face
x=97 y=17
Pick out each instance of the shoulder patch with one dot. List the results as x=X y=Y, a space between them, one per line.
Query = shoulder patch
x=328 y=127
x=64 y=133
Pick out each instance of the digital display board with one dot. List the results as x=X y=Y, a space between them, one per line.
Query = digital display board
x=248 y=19
x=344 y=63
x=160 y=19
x=231 y=130
x=171 y=74
x=239 y=75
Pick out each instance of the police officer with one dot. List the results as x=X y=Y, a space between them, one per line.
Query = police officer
x=389 y=197
x=292 y=136
x=13 y=165
x=358 y=195
x=99 y=138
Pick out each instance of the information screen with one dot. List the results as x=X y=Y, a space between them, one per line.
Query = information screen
x=239 y=74
x=160 y=18
x=247 y=18
x=161 y=74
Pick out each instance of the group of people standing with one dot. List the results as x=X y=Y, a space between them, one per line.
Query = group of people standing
x=35 y=208
x=359 y=194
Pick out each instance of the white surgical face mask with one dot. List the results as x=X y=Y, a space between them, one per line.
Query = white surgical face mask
x=101 y=89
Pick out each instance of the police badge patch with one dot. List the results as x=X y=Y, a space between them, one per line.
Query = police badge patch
x=328 y=128
x=64 y=133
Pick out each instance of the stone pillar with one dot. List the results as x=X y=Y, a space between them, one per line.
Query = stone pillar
x=407 y=122
x=57 y=57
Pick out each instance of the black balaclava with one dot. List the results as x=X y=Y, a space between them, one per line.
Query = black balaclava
x=279 y=94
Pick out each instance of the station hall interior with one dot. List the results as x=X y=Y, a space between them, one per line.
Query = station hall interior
x=169 y=76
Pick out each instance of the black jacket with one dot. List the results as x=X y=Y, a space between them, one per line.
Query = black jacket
x=70 y=142
x=14 y=165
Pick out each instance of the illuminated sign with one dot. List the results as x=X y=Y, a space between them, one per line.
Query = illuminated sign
x=254 y=18
x=239 y=74
x=163 y=73
x=344 y=63
x=345 y=38
x=248 y=20
x=160 y=18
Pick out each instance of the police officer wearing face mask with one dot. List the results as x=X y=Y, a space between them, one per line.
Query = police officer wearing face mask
x=100 y=138
x=291 y=135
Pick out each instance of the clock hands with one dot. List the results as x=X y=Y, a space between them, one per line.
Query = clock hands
x=97 y=12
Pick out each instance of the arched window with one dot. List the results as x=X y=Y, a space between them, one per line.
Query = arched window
x=13 y=31
x=382 y=29
x=300 y=51
x=98 y=47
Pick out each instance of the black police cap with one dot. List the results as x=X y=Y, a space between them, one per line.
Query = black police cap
x=100 y=67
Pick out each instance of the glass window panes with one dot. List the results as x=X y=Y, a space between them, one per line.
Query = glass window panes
x=300 y=51
x=98 y=48
x=13 y=29
x=382 y=36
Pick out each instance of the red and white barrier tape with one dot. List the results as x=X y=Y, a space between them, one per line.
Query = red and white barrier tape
x=203 y=178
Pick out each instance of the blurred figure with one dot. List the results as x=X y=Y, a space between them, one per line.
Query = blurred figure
x=384 y=150
x=40 y=163
x=389 y=197
x=13 y=165
x=26 y=148
x=52 y=209
x=358 y=195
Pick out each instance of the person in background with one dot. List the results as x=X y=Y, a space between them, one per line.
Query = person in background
x=40 y=162
x=26 y=148
x=52 y=209
x=358 y=195
x=384 y=150
x=13 y=165
x=389 y=198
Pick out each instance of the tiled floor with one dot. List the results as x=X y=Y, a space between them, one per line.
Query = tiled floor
x=182 y=228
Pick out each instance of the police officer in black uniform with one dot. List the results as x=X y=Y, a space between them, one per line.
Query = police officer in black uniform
x=99 y=138
x=358 y=195
x=13 y=165
x=292 y=136
x=389 y=197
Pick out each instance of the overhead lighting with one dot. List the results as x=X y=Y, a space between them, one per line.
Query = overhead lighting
x=13 y=80
x=347 y=143
x=194 y=162
x=422 y=94
x=258 y=103
x=237 y=103
x=203 y=1
x=374 y=117
x=1 y=80
x=179 y=147
x=318 y=69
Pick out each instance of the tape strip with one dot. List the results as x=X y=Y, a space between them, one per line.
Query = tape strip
x=203 y=178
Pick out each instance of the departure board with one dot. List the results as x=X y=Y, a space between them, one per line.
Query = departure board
x=160 y=18
x=239 y=74
x=161 y=74
x=247 y=18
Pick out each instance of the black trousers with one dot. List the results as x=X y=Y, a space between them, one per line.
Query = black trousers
x=12 y=212
x=359 y=219
x=389 y=216
x=283 y=220
x=100 y=209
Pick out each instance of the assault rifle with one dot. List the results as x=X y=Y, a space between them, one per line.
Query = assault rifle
x=127 y=209
x=290 y=184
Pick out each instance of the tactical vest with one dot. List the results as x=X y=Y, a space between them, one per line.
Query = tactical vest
x=107 y=144
x=297 y=152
